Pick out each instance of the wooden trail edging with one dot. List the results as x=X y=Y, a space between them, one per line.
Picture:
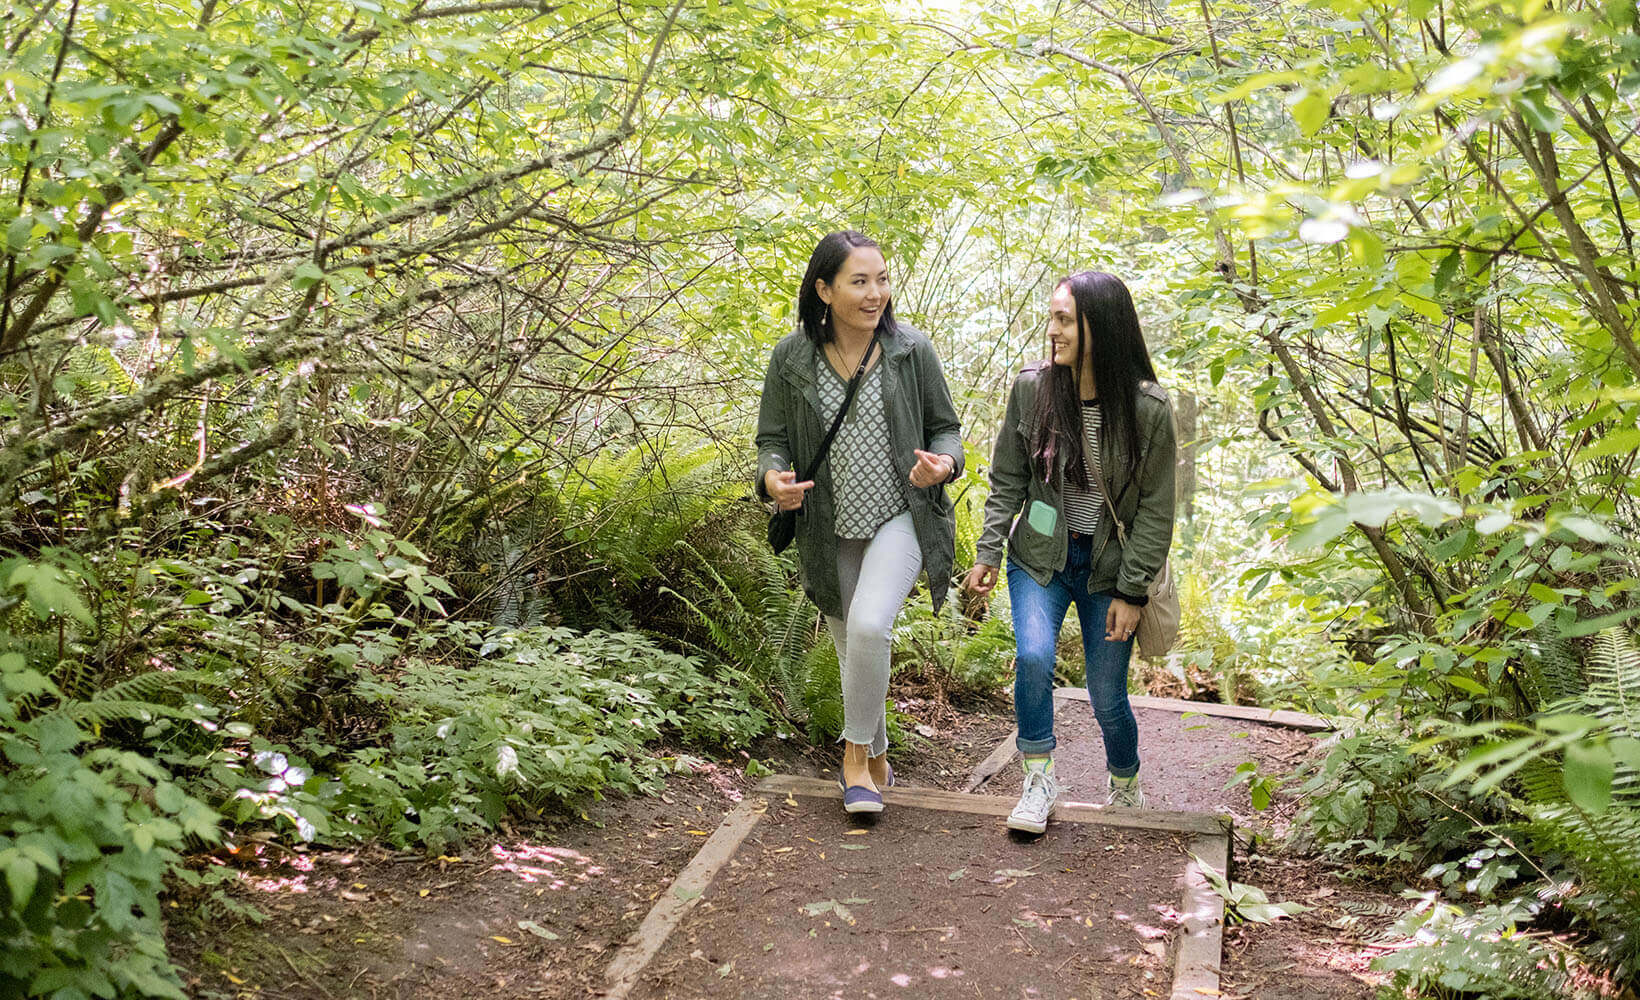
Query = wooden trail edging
x=1005 y=753
x=1196 y=959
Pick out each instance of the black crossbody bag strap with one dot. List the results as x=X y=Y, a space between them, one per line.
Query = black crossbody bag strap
x=842 y=411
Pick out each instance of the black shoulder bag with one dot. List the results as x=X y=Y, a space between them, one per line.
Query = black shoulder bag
x=783 y=523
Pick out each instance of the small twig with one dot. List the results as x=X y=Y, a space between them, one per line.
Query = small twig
x=1022 y=940
x=917 y=930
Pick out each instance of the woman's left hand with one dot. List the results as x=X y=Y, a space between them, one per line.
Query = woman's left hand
x=931 y=469
x=1120 y=620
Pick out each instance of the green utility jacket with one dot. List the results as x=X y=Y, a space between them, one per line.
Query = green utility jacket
x=920 y=415
x=1144 y=499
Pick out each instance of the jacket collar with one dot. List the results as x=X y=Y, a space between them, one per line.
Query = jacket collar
x=800 y=364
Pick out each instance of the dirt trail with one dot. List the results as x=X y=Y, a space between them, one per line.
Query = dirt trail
x=540 y=912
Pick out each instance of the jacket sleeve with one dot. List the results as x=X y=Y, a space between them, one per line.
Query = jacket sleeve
x=773 y=441
x=1152 y=532
x=1010 y=477
x=941 y=429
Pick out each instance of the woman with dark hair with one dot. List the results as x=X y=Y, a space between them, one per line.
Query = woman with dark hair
x=1086 y=436
x=874 y=514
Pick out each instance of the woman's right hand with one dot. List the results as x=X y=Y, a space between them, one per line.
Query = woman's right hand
x=783 y=488
x=981 y=580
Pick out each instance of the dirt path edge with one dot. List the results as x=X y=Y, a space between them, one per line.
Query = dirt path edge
x=681 y=896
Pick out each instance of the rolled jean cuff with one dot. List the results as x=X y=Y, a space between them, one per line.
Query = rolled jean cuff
x=875 y=750
x=1039 y=746
x=1124 y=772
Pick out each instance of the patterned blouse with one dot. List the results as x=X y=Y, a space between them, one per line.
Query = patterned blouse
x=866 y=489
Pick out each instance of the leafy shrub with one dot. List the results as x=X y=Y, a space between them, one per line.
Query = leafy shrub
x=1371 y=795
x=88 y=835
x=1484 y=952
x=550 y=714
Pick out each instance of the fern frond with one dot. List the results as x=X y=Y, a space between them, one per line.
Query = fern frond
x=1614 y=679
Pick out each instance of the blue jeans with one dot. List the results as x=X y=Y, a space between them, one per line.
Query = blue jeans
x=1038 y=614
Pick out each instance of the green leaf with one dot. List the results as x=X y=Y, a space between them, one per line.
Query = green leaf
x=1623 y=442
x=1447 y=270
x=1310 y=111
x=1588 y=775
x=18 y=232
x=49 y=592
x=21 y=876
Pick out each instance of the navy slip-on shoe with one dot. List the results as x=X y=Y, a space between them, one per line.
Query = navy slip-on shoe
x=860 y=799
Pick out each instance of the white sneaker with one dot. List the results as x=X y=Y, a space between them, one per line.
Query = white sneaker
x=1035 y=803
x=1126 y=793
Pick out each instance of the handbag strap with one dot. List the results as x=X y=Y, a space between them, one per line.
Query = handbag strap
x=842 y=411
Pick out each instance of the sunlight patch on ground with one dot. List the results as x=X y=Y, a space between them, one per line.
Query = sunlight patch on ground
x=555 y=867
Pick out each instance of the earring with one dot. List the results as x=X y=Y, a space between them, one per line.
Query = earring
x=827 y=317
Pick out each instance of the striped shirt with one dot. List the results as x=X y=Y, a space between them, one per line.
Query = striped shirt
x=1084 y=509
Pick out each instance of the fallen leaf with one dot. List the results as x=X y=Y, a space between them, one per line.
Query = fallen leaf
x=537 y=930
x=854 y=847
x=503 y=940
x=1013 y=872
x=1208 y=991
x=726 y=968
x=699 y=833
x=234 y=979
x=784 y=850
x=423 y=892
x=959 y=873
x=855 y=833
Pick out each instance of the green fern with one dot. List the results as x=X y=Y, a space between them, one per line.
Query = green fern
x=1598 y=846
x=1552 y=670
x=631 y=508
x=823 y=694
x=135 y=699
x=768 y=632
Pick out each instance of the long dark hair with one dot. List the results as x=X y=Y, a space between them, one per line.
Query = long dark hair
x=1108 y=338
x=828 y=258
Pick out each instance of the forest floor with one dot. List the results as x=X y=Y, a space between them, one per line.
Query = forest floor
x=539 y=911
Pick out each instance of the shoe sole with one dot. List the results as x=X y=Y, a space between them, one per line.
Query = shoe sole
x=1026 y=826
x=863 y=807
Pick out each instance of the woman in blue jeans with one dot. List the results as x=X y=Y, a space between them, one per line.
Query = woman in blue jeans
x=1087 y=437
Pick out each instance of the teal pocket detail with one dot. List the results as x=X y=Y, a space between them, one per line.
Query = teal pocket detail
x=1042 y=517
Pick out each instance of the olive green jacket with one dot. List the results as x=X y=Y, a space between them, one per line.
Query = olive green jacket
x=1143 y=497
x=917 y=403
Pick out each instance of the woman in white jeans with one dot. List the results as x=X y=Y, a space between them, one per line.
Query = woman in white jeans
x=875 y=513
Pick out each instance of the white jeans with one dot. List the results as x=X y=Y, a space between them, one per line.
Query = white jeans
x=875 y=575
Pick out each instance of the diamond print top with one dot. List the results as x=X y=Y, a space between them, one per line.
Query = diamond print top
x=865 y=489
